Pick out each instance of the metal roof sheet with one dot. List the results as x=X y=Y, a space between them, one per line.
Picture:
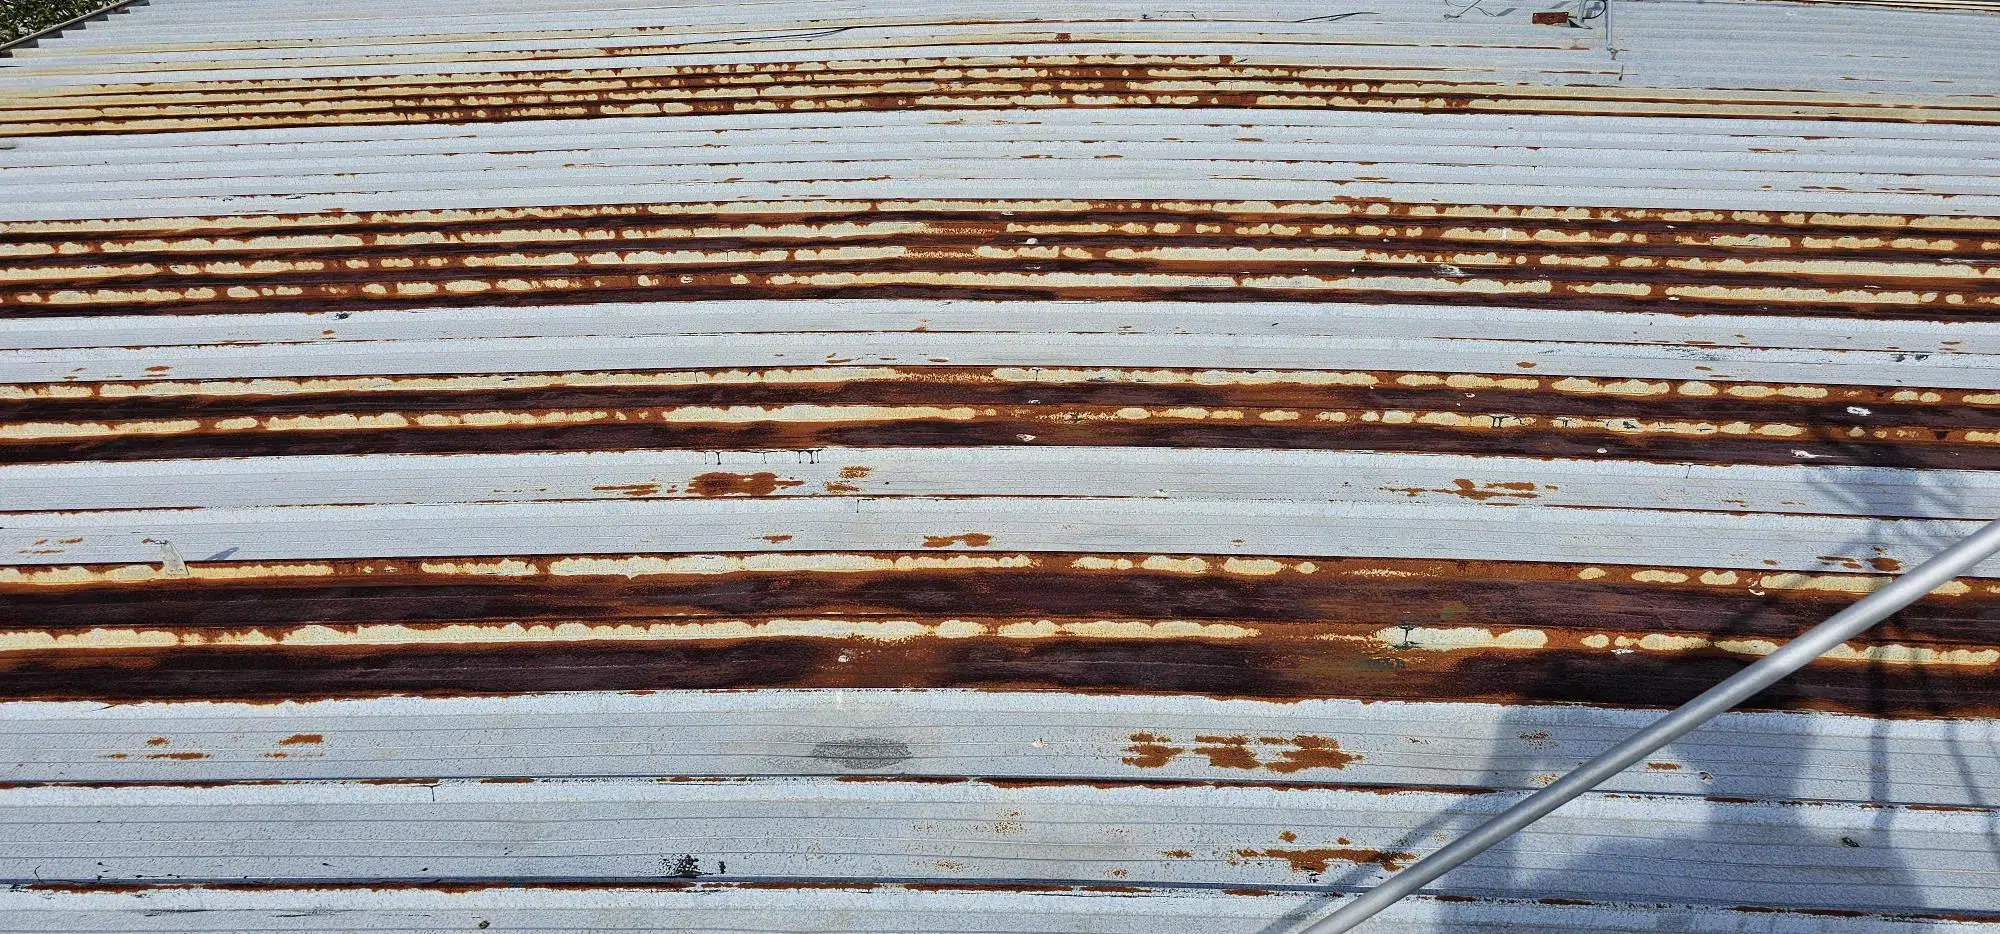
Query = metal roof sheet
x=963 y=467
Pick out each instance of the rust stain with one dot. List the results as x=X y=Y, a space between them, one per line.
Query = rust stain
x=1294 y=754
x=1478 y=492
x=302 y=739
x=633 y=490
x=1150 y=751
x=776 y=539
x=1226 y=626
x=968 y=539
x=183 y=756
x=1315 y=861
x=1308 y=752
x=719 y=483
x=1683 y=422
x=1663 y=766
x=1091 y=80
x=158 y=741
x=1227 y=752
x=1685 y=262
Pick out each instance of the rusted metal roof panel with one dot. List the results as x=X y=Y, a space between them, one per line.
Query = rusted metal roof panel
x=958 y=467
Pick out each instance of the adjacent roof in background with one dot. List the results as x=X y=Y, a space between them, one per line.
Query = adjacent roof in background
x=985 y=467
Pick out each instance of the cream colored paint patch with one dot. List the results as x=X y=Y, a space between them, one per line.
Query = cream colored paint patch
x=479 y=383
x=1888 y=654
x=42 y=431
x=835 y=563
x=1432 y=639
x=733 y=414
x=141 y=573
x=872 y=630
x=1184 y=377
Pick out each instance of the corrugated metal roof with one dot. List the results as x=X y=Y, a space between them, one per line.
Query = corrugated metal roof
x=957 y=467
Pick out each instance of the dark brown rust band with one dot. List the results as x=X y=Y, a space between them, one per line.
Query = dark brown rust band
x=1334 y=592
x=1104 y=389
x=1220 y=669
x=1495 y=414
x=1434 y=630
x=1680 y=261
x=1016 y=84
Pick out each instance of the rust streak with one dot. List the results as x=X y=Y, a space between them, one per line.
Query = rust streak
x=718 y=483
x=1011 y=82
x=1315 y=861
x=1625 y=259
x=968 y=539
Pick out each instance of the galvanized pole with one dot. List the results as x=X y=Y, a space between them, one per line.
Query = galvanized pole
x=1815 y=642
x=1609 y=49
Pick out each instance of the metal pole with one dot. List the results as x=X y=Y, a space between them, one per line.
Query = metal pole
x=1817 y=641
x=1609 y=49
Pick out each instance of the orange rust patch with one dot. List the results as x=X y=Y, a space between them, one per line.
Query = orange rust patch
x=969 y=539
x=718 y=483
x=302 y=739
x=1663 y=766
x=633 y=490
x=853 y=473
x=1150 y=751
x=1477 y=492
x=178 y=755
x=1227 y=752
x=1035 y=82
x=776 y=539
x=1315 y=861
x=158 y=741
x=1309 y=752
x=1177 y=854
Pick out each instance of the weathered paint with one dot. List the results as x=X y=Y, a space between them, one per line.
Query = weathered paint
x=975 y=830
x=1066 y=82
x=802 y=908
x=1235 y=627
x=982 y=468
x=1718 y=262
x=955 y=733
